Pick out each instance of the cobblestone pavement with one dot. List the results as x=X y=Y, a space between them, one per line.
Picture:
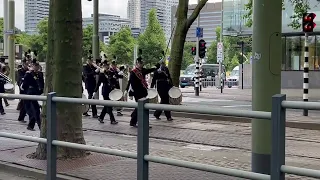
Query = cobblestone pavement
x=9 y=176
x=220 y=143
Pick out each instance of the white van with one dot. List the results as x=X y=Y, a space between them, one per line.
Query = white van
x=233 y=79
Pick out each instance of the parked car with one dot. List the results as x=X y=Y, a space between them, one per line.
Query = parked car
x=233 y=79
x=209 y=72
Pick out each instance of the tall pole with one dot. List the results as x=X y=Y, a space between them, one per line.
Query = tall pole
x=95 y=37
x=221 y=37
x=267 y=58
x=196 y=81
x=306 y=74
x=242 y=49
x=11 y=45
x=5 y=27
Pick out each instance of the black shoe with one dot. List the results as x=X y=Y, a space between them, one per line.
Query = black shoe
x=114 y=122
x=7 y=105
x=22 y=121
x=169 y=119
x=100 y=120
x=30 y=129
x=95 y=116
x=119 y=114
x=157 y=117
x=3 y=113
x=86 y=114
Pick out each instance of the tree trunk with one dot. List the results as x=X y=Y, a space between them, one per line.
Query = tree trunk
x=177 y=52
x=41 y=151
x=68 y=70
x=183 y=24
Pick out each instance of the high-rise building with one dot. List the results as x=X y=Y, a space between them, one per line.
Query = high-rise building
x=133 y=12
x=34 y=12
x=163 y=8
x=210 y=18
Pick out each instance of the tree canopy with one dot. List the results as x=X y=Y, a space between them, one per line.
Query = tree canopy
x=121 y=45
x=153 y=41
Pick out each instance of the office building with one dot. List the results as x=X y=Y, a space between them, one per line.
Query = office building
x=210 y=18
x=34 y=12
x=163 y=8
x=133 y=12
x=108 y=25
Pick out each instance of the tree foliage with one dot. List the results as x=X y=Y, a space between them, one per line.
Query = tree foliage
x=183 y=23
x=121 y=45
x=299 y=6
x=153 y=41
x=187 y=56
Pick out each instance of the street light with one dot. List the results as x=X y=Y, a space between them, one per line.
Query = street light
x=95 y=36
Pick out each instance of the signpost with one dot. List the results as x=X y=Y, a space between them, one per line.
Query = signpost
x=199 y=32
x=220 y=52
x=9 y=32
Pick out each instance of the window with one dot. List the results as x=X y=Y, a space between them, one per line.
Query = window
x=293 y=53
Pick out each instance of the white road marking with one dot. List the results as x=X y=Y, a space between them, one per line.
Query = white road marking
x=189 y=99
x=234 y=106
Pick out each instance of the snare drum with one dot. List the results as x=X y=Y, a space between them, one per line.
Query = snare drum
x=175 y=96
x=153 y=96
x=116 y=95
x=9 y=88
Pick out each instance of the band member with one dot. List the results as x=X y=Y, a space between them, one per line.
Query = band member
x=115 y=80
x=138 y=85
x=21 y=74
x=89 y=72
x=105 y=78
x=4 y=68
x=163 y=82
x=33 y=84
x=2 y=82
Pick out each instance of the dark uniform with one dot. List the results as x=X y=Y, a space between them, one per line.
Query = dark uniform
x=89 y=74
x=21 y=74
x=33 y=84
x=139 y=87
x=105 y=78
x=163 y=80
x=2 y=82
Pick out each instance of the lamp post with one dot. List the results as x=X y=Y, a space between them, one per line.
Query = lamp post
x=241 y=44
x=95 y=36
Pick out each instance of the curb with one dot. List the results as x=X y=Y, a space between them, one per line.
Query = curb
x=290 y=124
x=30 y=172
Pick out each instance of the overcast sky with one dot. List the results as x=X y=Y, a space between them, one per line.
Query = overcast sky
x=115 y=7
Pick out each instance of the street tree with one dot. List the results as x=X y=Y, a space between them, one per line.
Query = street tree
x=187 y=56
x=153 y=41
x=121 y=45
x=66 y=57
x=183 y=24
x=299 y=7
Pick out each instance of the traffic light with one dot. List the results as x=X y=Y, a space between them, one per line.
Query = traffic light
x=307 y=22
x=202 y=48
x=193 y=51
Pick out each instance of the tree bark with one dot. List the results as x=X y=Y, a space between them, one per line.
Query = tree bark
x=41 y=151
x=182 y=27
x=67 y=76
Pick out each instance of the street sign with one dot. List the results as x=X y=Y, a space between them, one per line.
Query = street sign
x=220 y=52
x=9 y=32
x=199 y=32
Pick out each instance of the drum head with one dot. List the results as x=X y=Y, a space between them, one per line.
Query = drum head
x=175 y=92
x=8 y=86
x=116 y=95
x=152 y=93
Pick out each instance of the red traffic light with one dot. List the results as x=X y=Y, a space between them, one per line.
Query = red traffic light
x=309 y=17
x=193 y=49
x=307 y=22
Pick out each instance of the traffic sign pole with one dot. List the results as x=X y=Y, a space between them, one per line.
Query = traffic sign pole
x=196 y=81
x=221 y=36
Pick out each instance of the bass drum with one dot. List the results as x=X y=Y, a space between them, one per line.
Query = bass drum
x=175 y=96
x=153 y=96
x=116 y=95
x=85 y=107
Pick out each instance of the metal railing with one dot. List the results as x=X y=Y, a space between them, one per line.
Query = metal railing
x=277 y=117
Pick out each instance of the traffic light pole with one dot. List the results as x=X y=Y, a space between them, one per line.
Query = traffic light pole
x=95 y=37
x=266 y=49
x=242 y=51
x=306 y=74
x=11 y=45
x=5 y=27
x=196 y=81
x=221 y=37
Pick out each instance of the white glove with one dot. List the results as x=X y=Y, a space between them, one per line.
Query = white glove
x=131 y=97
x=120 y=73
x=125 y=93
x=21 y=87
x=97 y=70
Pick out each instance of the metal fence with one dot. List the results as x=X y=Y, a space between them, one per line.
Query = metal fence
x=277 y=117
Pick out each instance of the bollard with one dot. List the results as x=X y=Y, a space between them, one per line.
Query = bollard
x=51 y=135
x=278 y=125
x=143 y=140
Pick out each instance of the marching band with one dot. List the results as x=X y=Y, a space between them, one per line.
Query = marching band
x=114 y=80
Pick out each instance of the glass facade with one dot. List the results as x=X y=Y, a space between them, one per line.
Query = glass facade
x=293 y=52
